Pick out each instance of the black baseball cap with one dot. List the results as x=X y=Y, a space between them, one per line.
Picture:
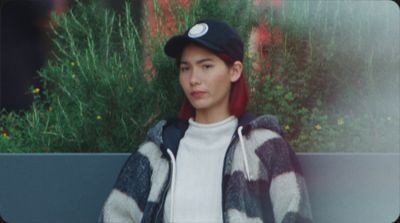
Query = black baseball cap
x=216 y=36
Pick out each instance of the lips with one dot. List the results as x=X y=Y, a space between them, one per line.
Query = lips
x=197 y=94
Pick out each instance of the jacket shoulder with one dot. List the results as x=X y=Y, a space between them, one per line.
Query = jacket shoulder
x=268 y=122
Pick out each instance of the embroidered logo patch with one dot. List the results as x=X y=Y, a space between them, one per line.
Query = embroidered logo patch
x=198 y=30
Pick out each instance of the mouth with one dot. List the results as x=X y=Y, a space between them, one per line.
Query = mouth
x=197 y=94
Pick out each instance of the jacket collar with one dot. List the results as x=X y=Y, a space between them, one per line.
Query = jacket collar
x=168 y=133
x=252 y=122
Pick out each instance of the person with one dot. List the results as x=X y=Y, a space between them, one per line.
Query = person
x=214 y=162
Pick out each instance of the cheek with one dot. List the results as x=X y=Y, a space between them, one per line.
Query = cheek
x=184 y=82
x=218 y=87
x=222 y=82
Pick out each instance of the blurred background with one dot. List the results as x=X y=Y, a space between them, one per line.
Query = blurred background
x=25 y=45
x=89 y=76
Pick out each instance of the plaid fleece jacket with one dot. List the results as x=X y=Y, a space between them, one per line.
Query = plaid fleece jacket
x=270 y=188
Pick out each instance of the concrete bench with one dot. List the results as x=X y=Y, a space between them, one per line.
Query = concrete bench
x=58 y=188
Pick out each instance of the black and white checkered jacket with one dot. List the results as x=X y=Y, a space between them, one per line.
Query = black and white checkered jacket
x=262 y=178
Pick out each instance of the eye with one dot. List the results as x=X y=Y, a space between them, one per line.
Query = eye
x=207 y=66
x=184 y=68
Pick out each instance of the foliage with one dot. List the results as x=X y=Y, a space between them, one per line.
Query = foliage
x=95 y=95
x=332 y=89
x=311 y=72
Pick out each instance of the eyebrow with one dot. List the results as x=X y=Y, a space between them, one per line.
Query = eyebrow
x=197 y=62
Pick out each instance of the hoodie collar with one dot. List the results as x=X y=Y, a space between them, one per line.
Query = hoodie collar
x=250 y=121
x=167 y=133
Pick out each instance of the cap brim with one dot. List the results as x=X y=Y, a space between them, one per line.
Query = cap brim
x=176 y=44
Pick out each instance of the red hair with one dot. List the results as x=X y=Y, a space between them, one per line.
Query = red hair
x=238 y=96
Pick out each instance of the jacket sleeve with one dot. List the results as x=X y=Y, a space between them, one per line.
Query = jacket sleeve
x=128 y=197
x=288 y=192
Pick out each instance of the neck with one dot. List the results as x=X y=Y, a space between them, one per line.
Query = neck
x=207 y=117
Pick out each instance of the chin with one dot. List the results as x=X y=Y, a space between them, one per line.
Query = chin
x=199 y=105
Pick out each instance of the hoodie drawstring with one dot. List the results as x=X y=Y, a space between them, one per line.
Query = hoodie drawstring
x=246 y=164
x=173 y=161
x=171 y=155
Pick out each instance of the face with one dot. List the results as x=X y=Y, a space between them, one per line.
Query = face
x=206 y=79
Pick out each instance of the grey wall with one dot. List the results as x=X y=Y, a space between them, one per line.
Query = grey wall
x=57 y=188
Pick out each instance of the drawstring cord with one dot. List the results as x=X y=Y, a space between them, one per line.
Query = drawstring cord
x=173 y=161
x=246 y=165
x=171 y=155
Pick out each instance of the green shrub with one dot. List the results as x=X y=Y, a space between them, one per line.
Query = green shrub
x=95 y=96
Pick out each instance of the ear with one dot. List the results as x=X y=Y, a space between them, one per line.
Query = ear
x=236 y=70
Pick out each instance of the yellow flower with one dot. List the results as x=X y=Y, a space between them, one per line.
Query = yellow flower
x=36 y=90
x=4 y=134
x=317 y=127
x=286 y=127
x=249 y=54
x=50 y=109
x=98 y=117
x=73 y=63
x=340 y=121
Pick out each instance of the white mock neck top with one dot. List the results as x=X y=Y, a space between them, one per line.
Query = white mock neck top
x=199 y=163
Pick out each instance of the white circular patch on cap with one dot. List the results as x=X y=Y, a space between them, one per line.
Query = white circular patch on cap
x=198 y=30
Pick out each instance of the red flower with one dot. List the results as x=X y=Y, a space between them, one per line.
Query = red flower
x=263 y=35
x=166 y=25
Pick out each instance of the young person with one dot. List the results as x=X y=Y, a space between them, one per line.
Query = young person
x=215 y=162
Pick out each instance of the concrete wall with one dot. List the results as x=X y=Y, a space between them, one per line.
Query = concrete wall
x=58 y=188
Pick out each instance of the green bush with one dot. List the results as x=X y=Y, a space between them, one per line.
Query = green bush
x=95 y=96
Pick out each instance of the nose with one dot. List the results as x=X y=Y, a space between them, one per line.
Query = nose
x=194 y=77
